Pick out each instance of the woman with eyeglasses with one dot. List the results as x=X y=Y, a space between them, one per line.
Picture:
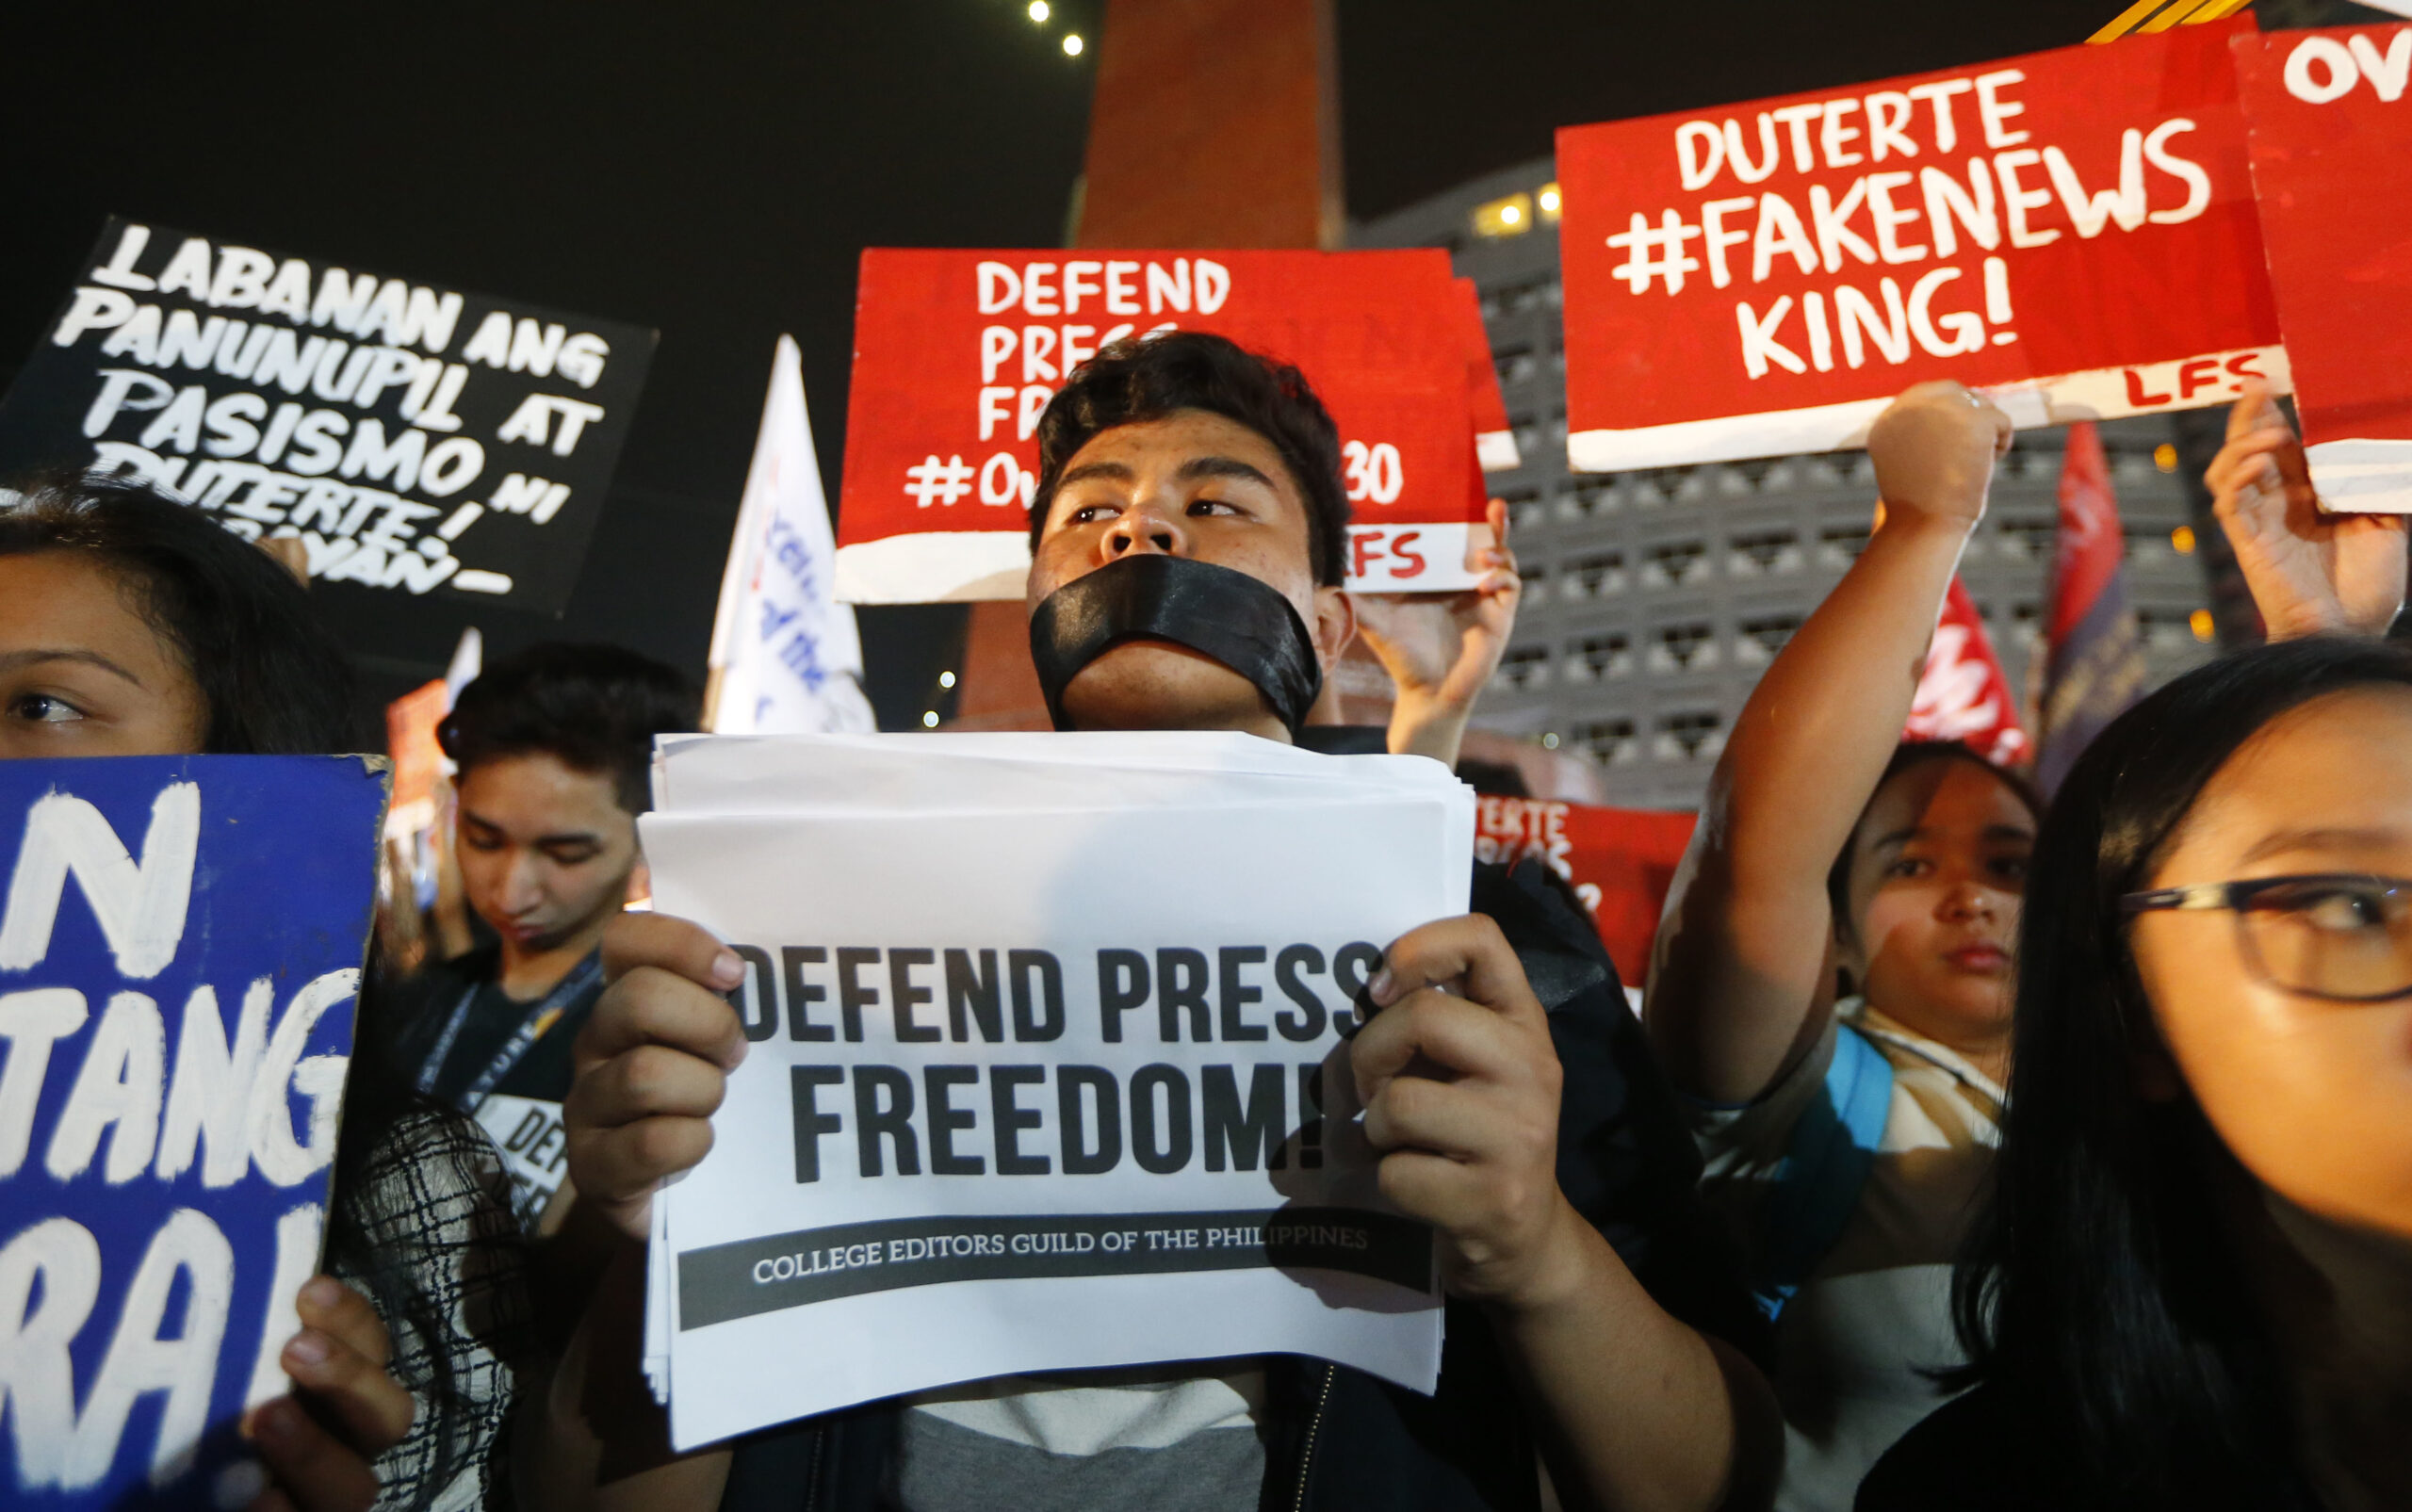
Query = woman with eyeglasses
x=2192 y=1285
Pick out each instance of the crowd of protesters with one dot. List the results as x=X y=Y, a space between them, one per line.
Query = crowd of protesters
x=1979 y=1152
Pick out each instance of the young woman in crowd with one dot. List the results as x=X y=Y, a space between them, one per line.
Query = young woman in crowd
x=2193 y=1287
x=1832 y=984
x=134 y=625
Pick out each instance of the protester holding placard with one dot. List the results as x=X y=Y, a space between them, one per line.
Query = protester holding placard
x=552 y=745
x=132 y=625
x=1189 y=529
x=2187 y=1288
x=1830 y=982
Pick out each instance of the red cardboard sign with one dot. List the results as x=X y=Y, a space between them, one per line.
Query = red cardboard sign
x=2073 y=228
x=1619 y=861
x=958 y=352
x=2331 y=138
x=1494 y=443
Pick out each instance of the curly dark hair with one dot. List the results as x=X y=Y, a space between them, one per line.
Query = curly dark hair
x=268 y=671
x=595 y=708
x=1148 y=378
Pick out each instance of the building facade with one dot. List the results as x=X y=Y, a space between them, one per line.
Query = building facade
x=1653 y=599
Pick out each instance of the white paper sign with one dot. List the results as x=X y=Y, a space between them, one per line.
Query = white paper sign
x=1033 y=1086
x=531 y=1139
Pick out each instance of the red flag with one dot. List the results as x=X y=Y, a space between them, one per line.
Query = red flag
x=2096 y=665
x=1963 y=696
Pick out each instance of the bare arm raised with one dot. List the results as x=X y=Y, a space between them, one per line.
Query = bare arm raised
x=1740 y=985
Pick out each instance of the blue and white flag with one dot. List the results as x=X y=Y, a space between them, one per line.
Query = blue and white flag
x=181 y=941
x=785 y=656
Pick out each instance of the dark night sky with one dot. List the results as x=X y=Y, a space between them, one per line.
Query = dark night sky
x=714 y=172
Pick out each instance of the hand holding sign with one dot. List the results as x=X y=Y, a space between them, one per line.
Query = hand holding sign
x=2309 y=570
x=1441 y=648
x=652 y=1064
x=1934 y=449
x=1459 y=1084
x=1038 y=1029
x=340 y=1361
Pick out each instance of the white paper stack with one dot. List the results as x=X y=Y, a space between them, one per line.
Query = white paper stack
x=1035 y=1024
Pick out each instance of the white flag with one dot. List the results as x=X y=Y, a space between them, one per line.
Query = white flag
x=785 y=656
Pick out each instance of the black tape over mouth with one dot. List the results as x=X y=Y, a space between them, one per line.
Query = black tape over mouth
x=1215 y=611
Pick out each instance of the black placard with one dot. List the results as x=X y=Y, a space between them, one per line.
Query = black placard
x=416 y=438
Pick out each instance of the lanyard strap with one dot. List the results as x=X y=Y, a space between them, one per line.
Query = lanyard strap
x=541 y=1016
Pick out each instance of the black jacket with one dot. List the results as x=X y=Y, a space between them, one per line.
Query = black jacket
x=1339 y=1439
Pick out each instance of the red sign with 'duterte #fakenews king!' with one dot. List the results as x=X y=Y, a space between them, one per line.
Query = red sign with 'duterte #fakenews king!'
x=2072 y=229
x=958 y=352
x=2332 y=160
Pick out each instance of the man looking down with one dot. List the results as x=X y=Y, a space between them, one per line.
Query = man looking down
x=552 y=745
x=1188 y=537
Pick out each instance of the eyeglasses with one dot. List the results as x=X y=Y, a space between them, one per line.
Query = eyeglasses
x=2338 y=935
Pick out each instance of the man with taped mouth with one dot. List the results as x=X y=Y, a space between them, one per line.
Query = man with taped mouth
x=1188 y=535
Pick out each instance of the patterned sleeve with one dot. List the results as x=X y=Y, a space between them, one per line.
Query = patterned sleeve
x=434 y=1205
x=1743 y=1146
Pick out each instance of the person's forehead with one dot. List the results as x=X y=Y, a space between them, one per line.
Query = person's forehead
x=1944 y=793
x=520 y=783
x=64 y=598
x=2336 y=763
x=1163 y=445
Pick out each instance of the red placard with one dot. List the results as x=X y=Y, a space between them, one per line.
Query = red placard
x=1494 y=443
x=956 y=353
x=2331 y=138
x=2074 y=229
x=419 y=761
x=1619 y=861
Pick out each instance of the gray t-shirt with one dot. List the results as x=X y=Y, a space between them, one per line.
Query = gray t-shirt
x=1168 y=1438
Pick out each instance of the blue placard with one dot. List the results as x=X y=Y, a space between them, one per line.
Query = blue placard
x=181 y=940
